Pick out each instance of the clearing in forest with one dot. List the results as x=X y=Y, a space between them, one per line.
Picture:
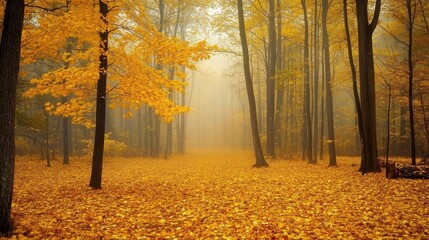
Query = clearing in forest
x=210 y=195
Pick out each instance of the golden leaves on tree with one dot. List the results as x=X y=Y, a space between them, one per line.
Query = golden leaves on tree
x=61 y=49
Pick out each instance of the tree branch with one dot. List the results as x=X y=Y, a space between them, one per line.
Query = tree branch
x=376 y=16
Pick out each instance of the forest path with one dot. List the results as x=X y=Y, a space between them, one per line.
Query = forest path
x=209 y=194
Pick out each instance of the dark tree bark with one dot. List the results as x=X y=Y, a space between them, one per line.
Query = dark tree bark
x=182 y=127
x=260 y=160
x=388 y=127
x=10 y=49
x=139 y=129
x=316 y=82
x=169 y=134
x=66 y=120
x=47 y=136
x=271 y=81
x=329 y=101
x=308 y=133
x=146 y=132
x=411 y=13
x=322 y=111
x=354 y=81
x=367 y=83
x=281 y=84
x=66 y=136
x=100 y=121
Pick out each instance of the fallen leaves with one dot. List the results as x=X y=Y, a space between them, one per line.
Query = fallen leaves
x=205 y=196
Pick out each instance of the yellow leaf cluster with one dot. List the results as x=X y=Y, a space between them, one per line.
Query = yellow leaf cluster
x=139 y=59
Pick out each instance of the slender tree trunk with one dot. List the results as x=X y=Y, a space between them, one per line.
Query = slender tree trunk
x=367 y=84
x=329 y=100
x=411 y=10
x=388 y=128
x=146 y=131
x=323 y=112
x=47 y=135
x=100 y=120
x=354 y=81
x=10 y=49
x=151 y=128
x=260 y=160
x=403 y=128
x=169 y=133
x=66 y=130
x=182 y=129
x=281 y=85
x=307 y=91
x=271 y=81
x=316 y=82
x=139 y=129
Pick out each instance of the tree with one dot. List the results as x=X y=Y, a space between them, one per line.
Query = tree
x=308 y=134
x=100 y=118
x=369 y=162
x=328 y=79
x=316 y=82
x=354 y=80
x=411 y=13
x=271 y=81
x=260 y=160
x=10 y=49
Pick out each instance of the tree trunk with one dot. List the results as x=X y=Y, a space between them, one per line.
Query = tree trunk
x=411 y=10
x=316 y=82
x=100 y=118
x=329 y=101
x=367 y=84
x=66 y=129
x=281 y=84
x=308 y=134
x=271 y=81
x=169 y=133
x=146 y=132
x=260 y=160
x=47 y=135
x=354 y=81
x=10 y=49
x=322 y=111
x=388 y=128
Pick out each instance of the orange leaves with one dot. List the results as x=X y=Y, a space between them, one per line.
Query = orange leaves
x=208 y=196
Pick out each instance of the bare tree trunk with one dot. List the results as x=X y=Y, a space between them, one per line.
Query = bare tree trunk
x=388 y=128
x=281 y=84
x=271 y=80
x=411 y=11
x=10 y=49
x=100 y=121
x=354 y=81
x=329 y=101
x=47 y=135
x=307 y=91
x=367 y=84
x=260 y=160
x=323 y=111
x=316 y=82
x=66 y=120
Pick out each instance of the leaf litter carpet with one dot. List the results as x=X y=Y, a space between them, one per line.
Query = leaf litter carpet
x=215 y=195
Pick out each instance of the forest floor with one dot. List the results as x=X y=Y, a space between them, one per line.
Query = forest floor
x=215 y=195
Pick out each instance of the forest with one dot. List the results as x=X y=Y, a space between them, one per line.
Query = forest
x=214 y=119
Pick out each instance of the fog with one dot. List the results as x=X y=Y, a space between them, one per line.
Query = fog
x=215 y=120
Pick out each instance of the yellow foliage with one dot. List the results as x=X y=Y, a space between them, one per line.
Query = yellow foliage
x=137 y=55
